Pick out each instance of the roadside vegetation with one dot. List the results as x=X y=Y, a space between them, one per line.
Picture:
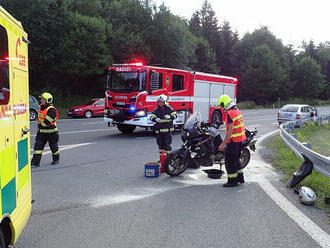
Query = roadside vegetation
x=63 y=103
x=73 y=41
x=295 y=100
x=287 y=162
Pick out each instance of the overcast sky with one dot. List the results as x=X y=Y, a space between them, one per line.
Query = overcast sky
x=292 y=21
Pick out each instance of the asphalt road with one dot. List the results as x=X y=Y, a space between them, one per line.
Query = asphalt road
x=98 y=197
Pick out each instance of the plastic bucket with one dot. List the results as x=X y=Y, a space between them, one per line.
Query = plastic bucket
x=151 y=169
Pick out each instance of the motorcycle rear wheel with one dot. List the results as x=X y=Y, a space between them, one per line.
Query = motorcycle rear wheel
x=175 y=164
x=245 y=157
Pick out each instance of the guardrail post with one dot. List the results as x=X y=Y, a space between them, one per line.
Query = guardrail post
x=304 y=170
x=300 y=124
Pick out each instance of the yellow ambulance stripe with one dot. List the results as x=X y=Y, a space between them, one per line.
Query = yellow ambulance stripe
x=23 y=177
x=7 y=172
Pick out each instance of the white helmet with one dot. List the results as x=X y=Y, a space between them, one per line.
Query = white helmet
x=307 y=196
x=162 y=98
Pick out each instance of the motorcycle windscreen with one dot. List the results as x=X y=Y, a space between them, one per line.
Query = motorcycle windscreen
x=192 y=121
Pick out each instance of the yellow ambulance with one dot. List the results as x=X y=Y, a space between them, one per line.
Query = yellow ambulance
x=15 y=171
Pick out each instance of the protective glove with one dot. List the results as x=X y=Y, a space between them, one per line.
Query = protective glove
x=158 y=120
x=167 y=117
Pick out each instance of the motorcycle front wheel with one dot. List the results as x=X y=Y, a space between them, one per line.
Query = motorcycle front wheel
x=175 y=164
x=244 y=157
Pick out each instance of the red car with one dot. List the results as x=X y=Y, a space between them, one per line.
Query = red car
x=91 y=109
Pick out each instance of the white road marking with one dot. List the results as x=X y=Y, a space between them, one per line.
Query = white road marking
x=92 y=123
x=85 y=131
x=253 y=126
x=65 y=147
x=314 y=231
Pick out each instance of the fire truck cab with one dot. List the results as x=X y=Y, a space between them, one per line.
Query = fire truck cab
x=133 y=89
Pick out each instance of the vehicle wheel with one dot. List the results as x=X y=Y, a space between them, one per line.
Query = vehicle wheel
x=88 y=114
x=216 y=117
x=33 y=115
x=2 y=240
x=175 y=164
x=245 y=157
x=124 y=128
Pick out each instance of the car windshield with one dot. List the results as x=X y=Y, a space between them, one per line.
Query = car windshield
x=89 y=103
x=289 y=109
x=192 y=120
x=127 y=81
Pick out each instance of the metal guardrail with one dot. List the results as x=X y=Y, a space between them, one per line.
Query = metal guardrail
x=310 y=158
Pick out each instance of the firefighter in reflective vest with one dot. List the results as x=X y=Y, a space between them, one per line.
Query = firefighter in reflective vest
x=47 y=130
x=163 y=115
x=235 y=135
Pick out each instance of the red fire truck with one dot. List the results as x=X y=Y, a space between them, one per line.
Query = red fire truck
x=133 y=89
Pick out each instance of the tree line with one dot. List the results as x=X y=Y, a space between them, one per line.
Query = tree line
x=73 y=41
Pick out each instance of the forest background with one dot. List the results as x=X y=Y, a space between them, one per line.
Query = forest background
x=73 y=41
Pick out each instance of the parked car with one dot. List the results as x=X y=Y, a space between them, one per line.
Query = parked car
x=91 y=109
x=292 y=112
x=34 y=107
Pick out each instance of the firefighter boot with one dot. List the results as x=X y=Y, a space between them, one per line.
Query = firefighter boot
x=232 y=182
x=55 y=162
x=240 y=177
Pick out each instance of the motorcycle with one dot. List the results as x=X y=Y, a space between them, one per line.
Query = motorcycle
x=200 y=147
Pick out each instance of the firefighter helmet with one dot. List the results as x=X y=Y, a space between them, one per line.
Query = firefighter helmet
x=47 y=96
x=162 y=98
x=225 y=102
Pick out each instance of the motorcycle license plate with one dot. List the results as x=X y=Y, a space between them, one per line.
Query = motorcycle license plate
x=114 y=111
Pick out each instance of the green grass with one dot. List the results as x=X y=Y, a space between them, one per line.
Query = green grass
x=63 y=103
x=311 y=102
x=287 y=162
x=318 y=136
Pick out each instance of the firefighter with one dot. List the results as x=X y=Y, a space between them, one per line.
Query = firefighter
x=235 y=135
x=163 y=115
x=47 y=130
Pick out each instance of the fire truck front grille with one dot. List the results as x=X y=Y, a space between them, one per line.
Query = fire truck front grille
x=126 y=106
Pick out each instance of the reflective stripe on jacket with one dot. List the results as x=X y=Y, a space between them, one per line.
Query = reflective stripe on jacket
x=165 y=125
x=46 y=121
x=238 y=134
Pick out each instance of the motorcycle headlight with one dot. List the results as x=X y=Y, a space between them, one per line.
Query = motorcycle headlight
x=140 y=113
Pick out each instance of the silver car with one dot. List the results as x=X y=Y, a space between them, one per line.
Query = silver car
x=34 y=107
x=292 y=112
